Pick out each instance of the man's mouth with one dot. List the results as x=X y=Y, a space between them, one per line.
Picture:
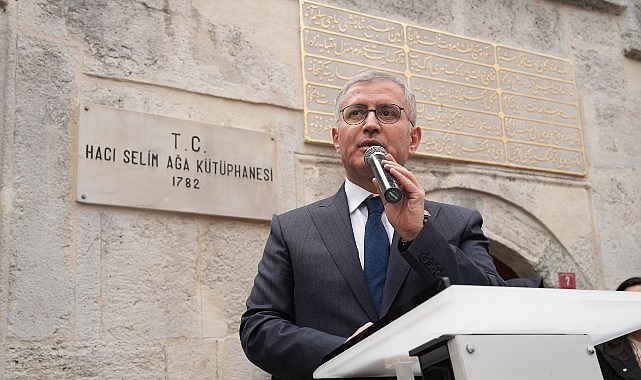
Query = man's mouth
x=369 y=143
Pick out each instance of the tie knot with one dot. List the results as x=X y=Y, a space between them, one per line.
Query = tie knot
x=374 y=204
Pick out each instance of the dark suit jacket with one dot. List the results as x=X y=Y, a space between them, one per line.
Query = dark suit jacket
x=617 y=360
x=310 y=293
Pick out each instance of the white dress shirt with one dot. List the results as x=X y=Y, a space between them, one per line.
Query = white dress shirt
x=356 y=195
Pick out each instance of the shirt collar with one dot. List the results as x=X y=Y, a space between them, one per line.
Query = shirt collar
x=355 y=195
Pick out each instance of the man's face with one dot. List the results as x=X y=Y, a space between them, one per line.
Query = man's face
x=351 y=141
x=633 y=288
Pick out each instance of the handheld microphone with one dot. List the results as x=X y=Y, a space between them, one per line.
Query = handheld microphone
x=387 y=184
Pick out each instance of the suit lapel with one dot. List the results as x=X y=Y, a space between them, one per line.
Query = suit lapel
x=397 y=267
x=332 y=221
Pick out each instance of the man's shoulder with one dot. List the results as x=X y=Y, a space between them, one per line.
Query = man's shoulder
x=307 y=207
x=313 y=206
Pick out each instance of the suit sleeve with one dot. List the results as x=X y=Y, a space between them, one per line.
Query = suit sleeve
x=453 y=245
x=268 y=332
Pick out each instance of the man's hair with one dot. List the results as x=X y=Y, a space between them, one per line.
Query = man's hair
x=375 y=75
x=632 y=281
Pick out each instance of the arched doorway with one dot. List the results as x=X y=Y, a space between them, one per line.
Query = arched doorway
x=509 y=263
x=520 y=243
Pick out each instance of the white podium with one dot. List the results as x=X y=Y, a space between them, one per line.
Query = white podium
x=498 y=333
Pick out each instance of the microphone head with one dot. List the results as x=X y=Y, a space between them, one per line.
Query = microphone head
x=373 y=150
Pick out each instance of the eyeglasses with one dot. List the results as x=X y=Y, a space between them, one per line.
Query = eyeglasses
x=385 y=113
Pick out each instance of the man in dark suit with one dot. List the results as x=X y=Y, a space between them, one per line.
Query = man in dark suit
x=310 y=294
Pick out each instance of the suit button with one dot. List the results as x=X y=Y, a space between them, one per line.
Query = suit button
x=425 y=259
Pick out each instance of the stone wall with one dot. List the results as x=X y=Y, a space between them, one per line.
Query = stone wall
x=105 y=292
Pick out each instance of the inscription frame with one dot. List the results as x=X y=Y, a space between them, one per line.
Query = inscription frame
x=477 y=101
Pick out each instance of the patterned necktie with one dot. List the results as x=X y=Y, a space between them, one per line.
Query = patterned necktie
x=376 y=251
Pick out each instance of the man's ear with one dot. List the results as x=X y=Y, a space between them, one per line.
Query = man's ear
x=335 y=139
x=415 y=138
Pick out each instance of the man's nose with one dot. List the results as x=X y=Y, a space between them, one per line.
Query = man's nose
x=371 y=124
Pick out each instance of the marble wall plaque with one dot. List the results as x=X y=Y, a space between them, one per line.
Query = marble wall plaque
x=150 y=161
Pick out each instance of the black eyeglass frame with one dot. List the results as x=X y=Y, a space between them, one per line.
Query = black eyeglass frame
x=375 y=113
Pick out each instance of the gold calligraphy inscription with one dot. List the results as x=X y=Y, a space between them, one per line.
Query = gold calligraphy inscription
x=477 y=101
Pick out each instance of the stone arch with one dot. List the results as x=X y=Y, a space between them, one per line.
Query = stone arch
x=517 y=237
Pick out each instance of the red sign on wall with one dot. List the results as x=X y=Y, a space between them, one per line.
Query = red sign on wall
x=567 y=280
